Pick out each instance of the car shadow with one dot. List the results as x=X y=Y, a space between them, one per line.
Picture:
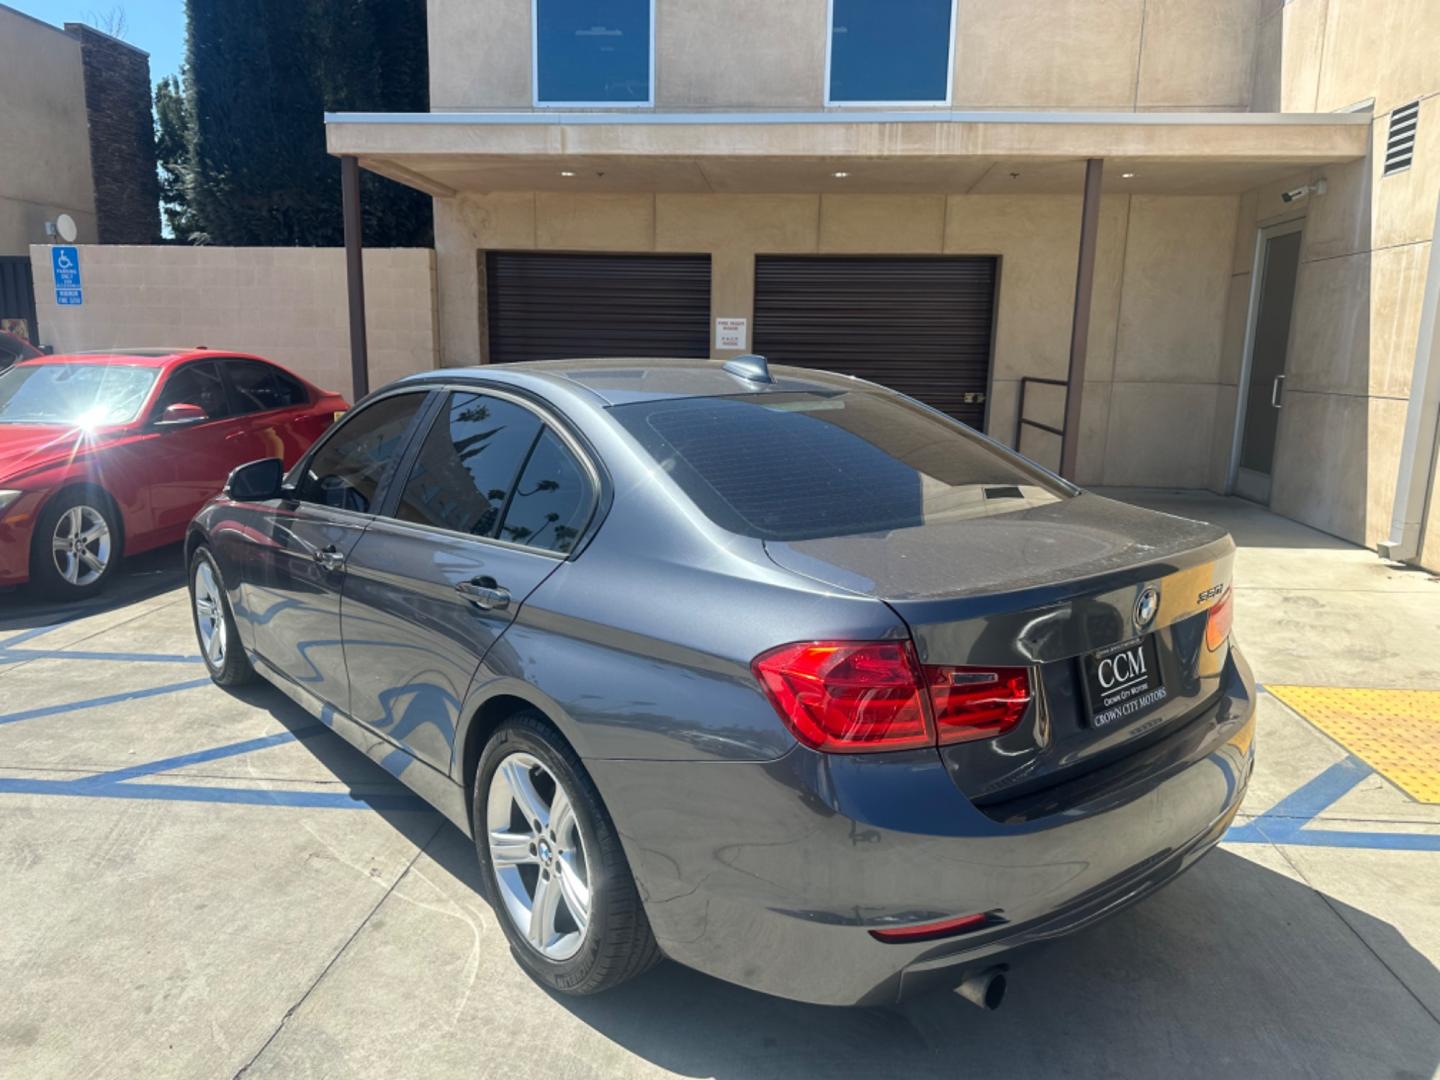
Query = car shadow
x=139 y=578
x=1234 y=969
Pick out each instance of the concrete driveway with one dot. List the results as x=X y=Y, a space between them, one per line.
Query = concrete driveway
x=195 y=883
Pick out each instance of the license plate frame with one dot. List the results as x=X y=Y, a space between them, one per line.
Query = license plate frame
x=1136 y=682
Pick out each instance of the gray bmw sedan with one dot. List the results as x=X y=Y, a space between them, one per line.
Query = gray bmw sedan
x=776 y=673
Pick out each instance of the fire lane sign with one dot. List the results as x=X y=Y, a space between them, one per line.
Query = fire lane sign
x=65 y=261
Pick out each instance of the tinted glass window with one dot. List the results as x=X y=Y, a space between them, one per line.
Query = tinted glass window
x=592 y=51
x=347 y=470
x=195 y=384
x=890 y=50
x=552 y=500
x=84 y=394
x=800 y=466
x=259 y=387
x=468 y=464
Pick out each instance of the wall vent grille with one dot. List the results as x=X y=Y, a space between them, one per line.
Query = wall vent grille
x=1400 y=143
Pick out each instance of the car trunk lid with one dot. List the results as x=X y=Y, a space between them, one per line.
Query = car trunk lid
x=1054 y=586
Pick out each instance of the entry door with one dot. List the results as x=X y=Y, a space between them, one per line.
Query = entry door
x=918 y=324
x=297 y=560
x=490 y=507
x=546 y=305
x=1278 y=261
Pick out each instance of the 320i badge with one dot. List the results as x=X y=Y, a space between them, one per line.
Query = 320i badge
x=778 y=674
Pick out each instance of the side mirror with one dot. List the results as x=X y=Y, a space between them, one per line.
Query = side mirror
x=182 y=413
x=256 y=481
x=47 y=350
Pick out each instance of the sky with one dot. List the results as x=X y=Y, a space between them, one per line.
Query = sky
x=157 y=26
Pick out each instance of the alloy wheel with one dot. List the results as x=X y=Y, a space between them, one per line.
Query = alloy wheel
x=210 y=614
x=537 y=852
x=80 y=545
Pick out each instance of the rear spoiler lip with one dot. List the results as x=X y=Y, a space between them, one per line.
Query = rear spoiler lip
x=1056 y=621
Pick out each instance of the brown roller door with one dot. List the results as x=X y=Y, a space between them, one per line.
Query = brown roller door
x=921 y=325
x=547 y=305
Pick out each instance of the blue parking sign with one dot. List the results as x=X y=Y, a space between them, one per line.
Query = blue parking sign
x=66 y=263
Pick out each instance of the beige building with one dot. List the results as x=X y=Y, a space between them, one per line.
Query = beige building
x=897 y=192
x=76 y=141
x=45 y=138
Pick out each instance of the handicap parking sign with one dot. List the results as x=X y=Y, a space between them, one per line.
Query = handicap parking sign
x=66 y=263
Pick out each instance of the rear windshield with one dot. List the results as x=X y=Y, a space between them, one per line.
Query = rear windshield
x=799 y=466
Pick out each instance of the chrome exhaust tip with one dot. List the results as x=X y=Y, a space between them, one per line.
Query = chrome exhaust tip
x=985 y=989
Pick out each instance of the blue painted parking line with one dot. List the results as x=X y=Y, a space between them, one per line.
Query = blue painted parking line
x=16 y=656
x=1288 y=821
x=28 y=635
x=314 y=800
x=97 y=702
x=214 y=753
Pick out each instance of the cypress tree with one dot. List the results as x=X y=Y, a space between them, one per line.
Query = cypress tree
x=259 y=76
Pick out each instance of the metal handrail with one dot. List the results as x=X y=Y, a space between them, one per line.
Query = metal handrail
x=1020 y=419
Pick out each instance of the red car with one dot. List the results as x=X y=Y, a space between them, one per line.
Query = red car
x=111 y=454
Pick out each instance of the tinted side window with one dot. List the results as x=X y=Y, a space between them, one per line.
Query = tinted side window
x=468 y=464
x=195 y=384
x=259 y=387
x=552 y=500
x=347 y=470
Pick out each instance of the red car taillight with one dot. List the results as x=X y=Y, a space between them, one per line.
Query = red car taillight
x=848 y=696
x=1217 y=622
x=976 y=703
x=862 y=696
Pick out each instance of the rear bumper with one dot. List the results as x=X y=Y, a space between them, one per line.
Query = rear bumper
x=771 y=875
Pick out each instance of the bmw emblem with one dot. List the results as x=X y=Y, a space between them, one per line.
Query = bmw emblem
x=1147 y=606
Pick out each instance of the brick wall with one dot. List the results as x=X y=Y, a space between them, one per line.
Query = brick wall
x=287 y=304
x=122 y=137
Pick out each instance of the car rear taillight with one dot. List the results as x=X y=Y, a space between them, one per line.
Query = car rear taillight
x=1217 y=622
x=976 y=703
x=863 y=696
x=846 y=696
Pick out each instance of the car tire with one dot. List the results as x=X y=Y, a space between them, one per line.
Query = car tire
x=76 y=544
x=215 y=630
x=597 y=937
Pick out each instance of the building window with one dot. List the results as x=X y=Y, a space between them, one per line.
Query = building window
x=890 y=52
x=594 y=52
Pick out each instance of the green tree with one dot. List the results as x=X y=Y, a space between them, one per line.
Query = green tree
x=172 y=151
x=259 y=75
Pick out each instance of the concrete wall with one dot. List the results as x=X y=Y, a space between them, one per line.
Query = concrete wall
x=1155 y=345
x=287 y=304
x=1032 y=54
x=44 y=141
x=1364 y=251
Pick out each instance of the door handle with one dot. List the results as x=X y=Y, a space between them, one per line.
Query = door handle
x=1275 y=388
x=330 y=558
x=484 y=593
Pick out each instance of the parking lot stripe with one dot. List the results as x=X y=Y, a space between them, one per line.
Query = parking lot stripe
x=312 y=800
x=214 y=753
x=16 y=656
x=108 y=699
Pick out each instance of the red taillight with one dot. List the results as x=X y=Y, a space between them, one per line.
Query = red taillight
x=848 y=696
x=927 y=931
x=976 y=703
x=1217 y=623
x=856 y=697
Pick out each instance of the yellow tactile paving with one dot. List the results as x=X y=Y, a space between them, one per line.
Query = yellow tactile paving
x=1396 y=732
